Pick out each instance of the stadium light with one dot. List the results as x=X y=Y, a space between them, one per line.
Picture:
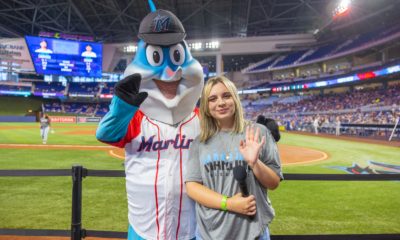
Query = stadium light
x=212 y=45
x=196 y=46
x=130 y=49
x=342 y=9
x=204 y=46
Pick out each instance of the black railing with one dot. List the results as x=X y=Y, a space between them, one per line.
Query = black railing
x=78 y=173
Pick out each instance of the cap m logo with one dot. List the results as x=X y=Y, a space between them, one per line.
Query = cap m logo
x=161 y=24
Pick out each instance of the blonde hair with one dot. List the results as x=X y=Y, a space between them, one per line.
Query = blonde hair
x=209 y=125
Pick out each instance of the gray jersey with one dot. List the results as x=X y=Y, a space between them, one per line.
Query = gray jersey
x=212 y=164
x=44 y=122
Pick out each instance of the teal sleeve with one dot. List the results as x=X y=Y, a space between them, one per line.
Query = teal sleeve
x=114 y=125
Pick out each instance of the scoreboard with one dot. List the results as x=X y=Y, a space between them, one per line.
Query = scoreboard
x=65 y=57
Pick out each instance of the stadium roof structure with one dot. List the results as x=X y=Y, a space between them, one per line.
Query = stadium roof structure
x=113 y=21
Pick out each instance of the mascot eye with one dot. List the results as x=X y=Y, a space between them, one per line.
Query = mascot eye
x=177 y=54
x=154 y=55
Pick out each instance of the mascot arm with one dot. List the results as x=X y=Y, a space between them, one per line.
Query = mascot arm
x=128 y=90
x=114 y=126
x=125 y=103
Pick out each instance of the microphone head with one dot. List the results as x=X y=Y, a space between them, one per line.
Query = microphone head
x=260 y=119
x=240 y=174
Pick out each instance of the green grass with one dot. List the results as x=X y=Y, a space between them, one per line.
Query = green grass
x=19 y=106
x=340 y=152
x=340 y=207
x=45 y=203
x=318 y=207
x=29 y=133
x=302 y=207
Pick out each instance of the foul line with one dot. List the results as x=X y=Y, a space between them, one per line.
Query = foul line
x=111 y=152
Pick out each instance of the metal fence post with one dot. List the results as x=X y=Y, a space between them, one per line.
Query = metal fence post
x=78 y=172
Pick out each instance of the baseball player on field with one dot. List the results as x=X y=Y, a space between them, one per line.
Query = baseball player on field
x=152 y=115
x=45 y=124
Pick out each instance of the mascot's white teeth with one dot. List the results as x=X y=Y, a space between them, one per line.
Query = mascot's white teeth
x=168 y=89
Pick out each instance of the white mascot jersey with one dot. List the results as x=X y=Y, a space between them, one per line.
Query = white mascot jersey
x=157 y=135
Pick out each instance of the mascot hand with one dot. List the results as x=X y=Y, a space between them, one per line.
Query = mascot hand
x=271 y=125
x=128 y=90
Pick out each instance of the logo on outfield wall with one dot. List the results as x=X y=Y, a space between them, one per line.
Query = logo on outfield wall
x=371 y=168
x=88 y=119
x=63 y=119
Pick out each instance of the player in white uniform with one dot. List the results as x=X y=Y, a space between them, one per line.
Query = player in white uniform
x=44 y=127
x=153 y=116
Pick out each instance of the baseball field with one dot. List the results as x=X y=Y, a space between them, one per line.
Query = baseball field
x=302 y=207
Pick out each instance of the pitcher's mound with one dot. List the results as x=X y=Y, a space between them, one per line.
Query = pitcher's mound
x=299 y=155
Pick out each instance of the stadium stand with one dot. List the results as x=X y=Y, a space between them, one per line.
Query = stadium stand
x=80 y=108
x=290 y=59
x=44 y=88
x=107 y=88
x=11 y=88
x=83 y=89
x=376 y=105
x=332 y=50
x=53 y=107
x=265 y=64
x=102 y=109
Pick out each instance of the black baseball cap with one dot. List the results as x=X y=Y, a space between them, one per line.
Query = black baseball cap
x=161 y=27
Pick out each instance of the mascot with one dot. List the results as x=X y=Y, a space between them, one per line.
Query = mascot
x=153 y=116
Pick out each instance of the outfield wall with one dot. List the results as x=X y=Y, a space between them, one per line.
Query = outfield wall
x=74 y=119
x=54 y=119
x=17 y=119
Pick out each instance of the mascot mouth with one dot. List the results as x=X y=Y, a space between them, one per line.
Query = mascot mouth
x=168 y=89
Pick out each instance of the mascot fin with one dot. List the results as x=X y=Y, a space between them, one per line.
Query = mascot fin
x=152 y=6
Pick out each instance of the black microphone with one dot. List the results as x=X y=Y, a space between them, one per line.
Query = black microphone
x=271 y=125
x=260 y=119
x=240 y=174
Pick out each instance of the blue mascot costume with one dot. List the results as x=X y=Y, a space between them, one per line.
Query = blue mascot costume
x=153 y=116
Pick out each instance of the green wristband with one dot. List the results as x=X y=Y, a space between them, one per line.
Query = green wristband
x=223 y=203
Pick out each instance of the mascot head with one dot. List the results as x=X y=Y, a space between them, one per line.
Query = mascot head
x=170 y=75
